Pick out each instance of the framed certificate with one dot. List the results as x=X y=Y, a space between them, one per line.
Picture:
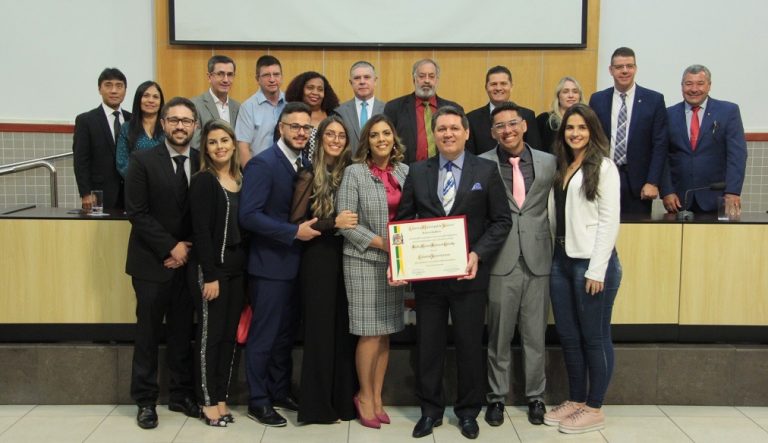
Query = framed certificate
x=428 y=249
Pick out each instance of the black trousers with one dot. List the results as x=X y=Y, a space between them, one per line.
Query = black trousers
x=217 y=327
x=631 y=203
x=156 y=302
x=467 y=311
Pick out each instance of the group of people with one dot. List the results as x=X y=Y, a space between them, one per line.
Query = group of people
x=286 y=198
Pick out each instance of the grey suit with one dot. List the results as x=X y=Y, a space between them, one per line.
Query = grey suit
x=519 y=285
x=348 y=113
x=206 y=110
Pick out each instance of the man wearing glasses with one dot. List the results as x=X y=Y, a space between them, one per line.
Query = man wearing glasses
x=256 y=122
x=216 y=103
x=273 y=264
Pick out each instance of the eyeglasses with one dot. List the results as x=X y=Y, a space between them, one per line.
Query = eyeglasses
x=221 y=75
x=512 y=124
x=295 y=127
x=186 y=122
x=340 y=136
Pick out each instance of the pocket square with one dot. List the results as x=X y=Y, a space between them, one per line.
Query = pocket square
x=477 y=187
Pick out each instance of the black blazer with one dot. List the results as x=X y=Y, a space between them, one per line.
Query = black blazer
x=480 y=139
x=402 y=112
x=480 y=196
x=94 y=156
x=158 y=213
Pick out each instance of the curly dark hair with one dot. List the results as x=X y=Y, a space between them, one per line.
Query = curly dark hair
x=295 y=91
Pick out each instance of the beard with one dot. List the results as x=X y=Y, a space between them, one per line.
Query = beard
x=425 y=92
x=180 y=144
x=294 y=147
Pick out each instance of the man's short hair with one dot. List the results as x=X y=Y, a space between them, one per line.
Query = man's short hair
x=112 y=74
x=623 y=52
x=506 y=106
x=450 y=110
x=293 y=108
x=695 y=69
x=220 y=59
x=266 y=60
x=361 y=64
x=498 y=69
x=424 y=61
x=178 y=101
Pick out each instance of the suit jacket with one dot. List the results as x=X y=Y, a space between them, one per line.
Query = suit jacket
x=480 y=196
x=265 y=210
x=93 y=150
x=207 y=111
x=402 y=112
x=364 y=194
x=158 y=212
x=348 y=113
x=720 y=155
x=647 y=141
x=480 y=138
x=530 y=235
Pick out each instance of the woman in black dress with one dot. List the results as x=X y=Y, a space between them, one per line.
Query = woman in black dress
x=328 y=380
x=216 y=268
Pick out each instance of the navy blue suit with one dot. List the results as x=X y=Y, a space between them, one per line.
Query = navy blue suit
x=720 y=155
x=273 y=263
x=646 y=143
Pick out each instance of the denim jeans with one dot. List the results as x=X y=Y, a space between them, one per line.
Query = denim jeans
x=583 y=323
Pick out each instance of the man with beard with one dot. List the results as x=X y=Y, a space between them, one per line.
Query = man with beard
x=273 y=263
x=412 y=114
x=158 y=249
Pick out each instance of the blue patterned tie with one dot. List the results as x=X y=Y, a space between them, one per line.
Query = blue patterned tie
x=449 y=188
x=363 y=113
x=620 y=151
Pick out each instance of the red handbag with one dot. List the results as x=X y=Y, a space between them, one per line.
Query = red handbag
x=244 y=325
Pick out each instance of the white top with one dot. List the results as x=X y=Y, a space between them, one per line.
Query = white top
x=222 y=107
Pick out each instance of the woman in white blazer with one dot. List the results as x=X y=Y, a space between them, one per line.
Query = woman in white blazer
x=586 y=272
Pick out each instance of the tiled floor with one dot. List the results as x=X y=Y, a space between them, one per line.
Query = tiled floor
x=114 y=424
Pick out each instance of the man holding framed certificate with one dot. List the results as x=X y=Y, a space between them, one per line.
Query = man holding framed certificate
x=454 y=183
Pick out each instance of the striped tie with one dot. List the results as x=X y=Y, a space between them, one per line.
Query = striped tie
x=449 y=188
x=620 y=153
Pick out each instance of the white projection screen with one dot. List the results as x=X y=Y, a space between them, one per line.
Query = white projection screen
x=390 y=23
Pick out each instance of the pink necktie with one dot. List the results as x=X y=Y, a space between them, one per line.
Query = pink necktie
x=518 y=182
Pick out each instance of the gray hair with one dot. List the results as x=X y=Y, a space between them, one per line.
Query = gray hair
x=424 y=61
x=696 y=69
x=362 y=64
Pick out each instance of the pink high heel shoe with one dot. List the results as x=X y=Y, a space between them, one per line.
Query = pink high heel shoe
x=367 y=422
x=383 y=417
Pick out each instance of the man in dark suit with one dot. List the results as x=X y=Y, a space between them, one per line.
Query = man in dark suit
x=411 y=114
x=273 y=263
x=498 y=86
x=710 y=149
x=215 y=103
x=355 y=112
x=635 y=120
x=93 y=144
x=450 y=184
x=158 y=248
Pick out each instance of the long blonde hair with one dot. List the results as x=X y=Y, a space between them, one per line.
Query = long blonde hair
x=555 y=116
x=326 y=182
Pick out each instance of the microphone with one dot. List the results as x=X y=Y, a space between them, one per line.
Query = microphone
x=687 y=215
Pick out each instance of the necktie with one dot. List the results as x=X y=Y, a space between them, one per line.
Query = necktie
x=428 y=129
x=518 y=182
x=694 y=127
x=363 y=113
x=181 y=175
x=116 y=124
x=449 y=188
x=620 y=153
x=298 y=164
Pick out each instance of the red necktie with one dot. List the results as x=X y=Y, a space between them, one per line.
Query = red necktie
x=694 y=127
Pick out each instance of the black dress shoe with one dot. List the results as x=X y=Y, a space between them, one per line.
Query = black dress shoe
x=469 y=427
x=266 y=415
x=494 y=414
x=536 y=411
x=289 y=402
x=147 y=417
x=187 y=406
x=425 y=425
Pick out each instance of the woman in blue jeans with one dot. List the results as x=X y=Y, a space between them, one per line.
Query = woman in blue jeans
x=586 y=272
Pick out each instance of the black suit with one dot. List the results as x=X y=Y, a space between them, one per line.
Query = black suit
x=94 y=157
x=482 y=198
x=480 y=139
x=402 y=112
x=159 y=213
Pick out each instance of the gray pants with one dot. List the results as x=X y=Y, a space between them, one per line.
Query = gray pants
x=519 y=298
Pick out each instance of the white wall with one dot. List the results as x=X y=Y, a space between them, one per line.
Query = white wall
x=730 y=38
x=52 y=52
